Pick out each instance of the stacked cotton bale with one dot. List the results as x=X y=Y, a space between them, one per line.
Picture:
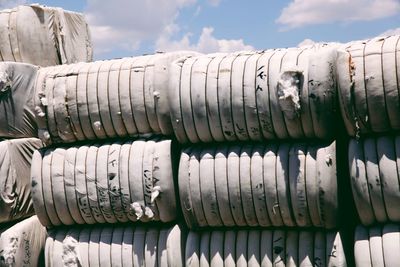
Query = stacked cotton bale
x=268 y=121
x=369 y=94
x=42 y=36
x=109 y=173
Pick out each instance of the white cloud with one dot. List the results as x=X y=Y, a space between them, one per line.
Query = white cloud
x=11 y=3
x=391 y=32
x=306 y=42
x=307 y=12
x=125 y=24
x=207 y=42
x=214 y=2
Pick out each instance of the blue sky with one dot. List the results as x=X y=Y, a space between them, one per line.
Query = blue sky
x=133 y=27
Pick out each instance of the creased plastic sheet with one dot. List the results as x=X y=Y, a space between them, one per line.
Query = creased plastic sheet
x=15 y=170
x=17 y=116
x=105 y=99
x=44 y=36
x=22 y=244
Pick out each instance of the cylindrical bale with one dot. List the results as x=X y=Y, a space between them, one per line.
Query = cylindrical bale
x=377 y=246
x=374 y=165
x=264 y=248
x=15 y=178
x=369 y=85
x=99 y=183
x=23 y=243
x=259 y=185
x=44 y=36
x=272 y=94
x=108 y=246
x=105 y=99
x=17 y=116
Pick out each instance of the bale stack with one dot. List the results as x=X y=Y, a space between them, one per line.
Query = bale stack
x=242 y=149
x=266 y=173
x=369 y=81
x=42 y=36
x=108 y=171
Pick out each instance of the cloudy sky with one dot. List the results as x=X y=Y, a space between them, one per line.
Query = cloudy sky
x=133 y=27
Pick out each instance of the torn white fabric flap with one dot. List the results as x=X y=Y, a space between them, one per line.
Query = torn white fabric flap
x=15 y=171
x=16 y=100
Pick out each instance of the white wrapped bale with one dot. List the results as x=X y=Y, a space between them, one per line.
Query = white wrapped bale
x=22 y=244
x=377 y=246
x=273 y=94
x=369 y=85
x=108 y=183
x=105 y=99
x=374 y=165
x=108 y=246
x=15 y=182
x=259 y=185
x=44 y=36
x=264 y=248
x=17 y=115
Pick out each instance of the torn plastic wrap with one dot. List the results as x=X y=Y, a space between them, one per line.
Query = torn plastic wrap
x=272 y=94
x=44 y=36
x=264 y=248
x=107 y=246
x=15 y=180
x=17 y=115
x=108 y=183
x=22 y=244
x=292 y=185
x=105 y=99
x=369 y=85
x=377 y=246
x=374 y=165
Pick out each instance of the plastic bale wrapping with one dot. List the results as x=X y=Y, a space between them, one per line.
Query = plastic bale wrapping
x=369 y=85
x=22 y=244
x=274 y=185
x=44 y=36
x=104 y=183
x=123 y=245
x=105 y=99
x=17 y=114
x=377 y=246
x=264 y=248
x=374 y=165
x=265 y=95
x=15 y=182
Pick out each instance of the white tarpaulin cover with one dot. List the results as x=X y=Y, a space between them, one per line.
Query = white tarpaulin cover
x=15 y=181
x=108 y=246
x=22 y=244
x=43 y=36
x=243 y=96
x=17 y=116
x=108 y=183
x=369 y=85
x=105 y=99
